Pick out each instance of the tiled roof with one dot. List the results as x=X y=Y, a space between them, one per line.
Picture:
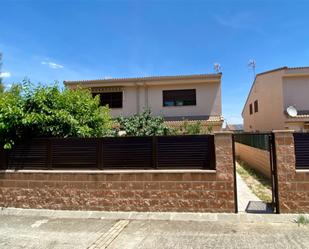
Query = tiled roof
x=234 y=127
x=191 y=119
x=301 y=114
x=148 y=78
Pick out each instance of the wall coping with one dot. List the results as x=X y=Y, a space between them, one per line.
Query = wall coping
x=128 y=171
x=223 y=133
x=302 y=170
x=283 y=131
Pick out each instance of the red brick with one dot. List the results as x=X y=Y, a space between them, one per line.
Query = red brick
x=225 y=195
x=159 y=177
x=143 y=177
x=151 y=185
x=138 y=194
x=200 y=185
x=217 y=186
x=126 y=194
x=174 y=194
x=128 y=177
x=175 y=177
x=112 y=177
x=167 y=185
x=191 y=194
x=207 y=195
x=183 y=185
x=303 y=186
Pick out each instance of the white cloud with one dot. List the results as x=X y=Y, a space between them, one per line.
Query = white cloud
x=5 y=75
x=52 y=65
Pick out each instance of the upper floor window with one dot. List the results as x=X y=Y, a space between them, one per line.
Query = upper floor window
x=179 y=97
x=250 y=109
x=256 y=106
x=112 y=99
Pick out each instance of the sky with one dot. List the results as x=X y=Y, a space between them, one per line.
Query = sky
x=58 y=40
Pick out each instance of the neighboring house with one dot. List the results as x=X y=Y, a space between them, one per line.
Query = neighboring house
x=237 y=128
x=271 y=94
x=176 y=98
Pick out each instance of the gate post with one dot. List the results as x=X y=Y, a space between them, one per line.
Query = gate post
x=225 y=164
x=286 y=172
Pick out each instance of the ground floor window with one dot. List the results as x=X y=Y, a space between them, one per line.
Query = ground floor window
x=112 y=99
x=179 y=97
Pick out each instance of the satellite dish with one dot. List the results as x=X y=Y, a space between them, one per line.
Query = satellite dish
x=292 y=112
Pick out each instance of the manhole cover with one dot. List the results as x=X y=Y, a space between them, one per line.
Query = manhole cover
x=259 y=207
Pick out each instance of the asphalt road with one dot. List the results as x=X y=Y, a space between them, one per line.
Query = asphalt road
x=41 y=232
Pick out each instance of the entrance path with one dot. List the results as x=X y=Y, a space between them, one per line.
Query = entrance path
x=244 y=194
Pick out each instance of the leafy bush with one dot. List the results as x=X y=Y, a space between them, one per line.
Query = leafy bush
x=27 y=111
x=11 y=115
x=194 y=128
x=143 y=124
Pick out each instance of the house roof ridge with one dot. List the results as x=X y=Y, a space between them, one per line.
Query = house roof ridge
x=144 y=78
x=292 y=68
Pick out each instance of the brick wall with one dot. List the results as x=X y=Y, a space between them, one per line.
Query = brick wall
x=255 y=158
x=130 y=190
x=293 y=185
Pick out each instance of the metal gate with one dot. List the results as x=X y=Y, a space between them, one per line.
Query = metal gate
x=264 y=141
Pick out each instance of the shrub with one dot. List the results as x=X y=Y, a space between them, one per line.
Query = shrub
x=143 y=124
x=28 y=112
x=194 y=128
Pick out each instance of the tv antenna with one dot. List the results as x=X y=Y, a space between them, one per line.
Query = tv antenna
x=217 y=67
x=252 y=64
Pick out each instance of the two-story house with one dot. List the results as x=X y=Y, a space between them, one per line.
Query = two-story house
x=271 y=94
x=176 y=98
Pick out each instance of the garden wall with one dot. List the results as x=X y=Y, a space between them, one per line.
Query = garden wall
x=180 y=190
x=255 y=158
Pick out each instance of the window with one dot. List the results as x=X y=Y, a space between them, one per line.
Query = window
x=251 y=109
x=112 y=99
x=179 y=97
x=256 y=106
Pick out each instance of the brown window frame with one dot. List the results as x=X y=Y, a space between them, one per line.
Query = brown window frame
x=250 y=109
x=110 y=99
x=179 y=97
x=256 y=106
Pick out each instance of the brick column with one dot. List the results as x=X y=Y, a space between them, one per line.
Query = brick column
x=293 y=185
x=225 y=165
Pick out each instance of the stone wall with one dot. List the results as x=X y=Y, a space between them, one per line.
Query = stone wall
x=293 y=185
x=255 y=158
x=129 y=190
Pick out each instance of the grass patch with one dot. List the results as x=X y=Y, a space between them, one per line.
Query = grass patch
x=302 y=220
x=258 y=183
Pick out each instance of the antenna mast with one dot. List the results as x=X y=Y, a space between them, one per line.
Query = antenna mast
x=217 y=67
x=252 y=64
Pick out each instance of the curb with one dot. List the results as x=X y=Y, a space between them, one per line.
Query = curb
x=161 y=216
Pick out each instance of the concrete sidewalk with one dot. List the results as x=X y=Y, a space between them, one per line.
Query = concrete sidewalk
x=162 y=216
x=52 y=232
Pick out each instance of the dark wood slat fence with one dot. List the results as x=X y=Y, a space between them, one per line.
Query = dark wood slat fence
x=301 y=143
x=160 y=152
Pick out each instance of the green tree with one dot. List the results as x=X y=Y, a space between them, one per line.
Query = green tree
x=143 y=124
x=1 y=79
x=27 y=112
